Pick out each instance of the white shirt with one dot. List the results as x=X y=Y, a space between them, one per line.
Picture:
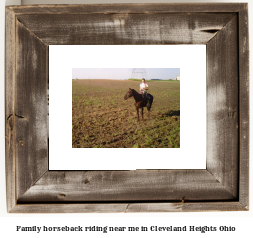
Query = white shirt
x=143 y=86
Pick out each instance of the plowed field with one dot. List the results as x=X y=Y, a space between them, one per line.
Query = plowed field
x=101 y=118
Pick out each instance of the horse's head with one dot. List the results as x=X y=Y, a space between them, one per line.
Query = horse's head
x=128 y=94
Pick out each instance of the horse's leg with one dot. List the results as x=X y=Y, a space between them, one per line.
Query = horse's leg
x=137 y=113
x=148 y=111
x=142 y=112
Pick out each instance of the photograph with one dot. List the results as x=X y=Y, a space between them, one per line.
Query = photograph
x=106 y=105
x=86 y=131
x=126 y=108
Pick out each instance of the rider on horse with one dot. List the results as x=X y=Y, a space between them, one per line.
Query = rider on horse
x=143 y=90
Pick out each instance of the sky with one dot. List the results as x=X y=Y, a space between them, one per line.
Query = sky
x=125 y=73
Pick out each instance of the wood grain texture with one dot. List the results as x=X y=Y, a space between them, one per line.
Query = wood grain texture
x=30 y=108
x=9 y=108
x=223 y=107
x=244 y=106
x=223 y=186
x=153 y=8
x=186 y=207
x=128 y=207
x=132 y=29
x=140 y=185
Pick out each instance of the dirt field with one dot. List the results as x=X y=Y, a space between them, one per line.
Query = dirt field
x=101 y=118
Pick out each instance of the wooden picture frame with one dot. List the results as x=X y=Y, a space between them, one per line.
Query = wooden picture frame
x=222 y=186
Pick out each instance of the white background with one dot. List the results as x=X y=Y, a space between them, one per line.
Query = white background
x=242 y=220
x=192 y=151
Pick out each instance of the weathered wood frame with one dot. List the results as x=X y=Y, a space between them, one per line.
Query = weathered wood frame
x=222 y=186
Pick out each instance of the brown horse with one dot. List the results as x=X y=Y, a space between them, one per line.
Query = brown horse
x=140 y=102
